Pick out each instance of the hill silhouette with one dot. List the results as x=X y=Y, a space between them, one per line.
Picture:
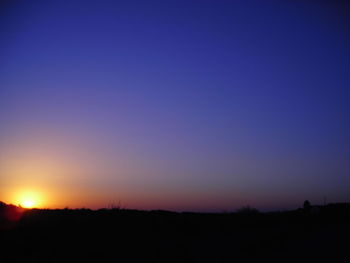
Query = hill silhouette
x=121 y=235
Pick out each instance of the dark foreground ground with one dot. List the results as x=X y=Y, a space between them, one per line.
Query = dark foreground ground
x=158 y=236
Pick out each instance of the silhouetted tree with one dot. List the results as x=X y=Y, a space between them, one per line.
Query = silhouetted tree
x=247 y=210
x=307 y=205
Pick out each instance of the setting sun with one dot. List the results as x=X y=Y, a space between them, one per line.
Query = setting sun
x=29 y=199
x=27 y=203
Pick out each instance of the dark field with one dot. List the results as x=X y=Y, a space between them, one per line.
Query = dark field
x=119 y=235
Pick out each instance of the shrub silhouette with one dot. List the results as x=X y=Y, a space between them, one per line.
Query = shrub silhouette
x=247 y=210
x=78 y=235
x=307 y=205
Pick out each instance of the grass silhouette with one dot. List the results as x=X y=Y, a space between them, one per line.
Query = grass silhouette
x=122 y=235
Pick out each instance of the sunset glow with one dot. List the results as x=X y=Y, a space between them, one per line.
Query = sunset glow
x=182 y=106
x=174 y=131
x=27 y=203
x=28 y=199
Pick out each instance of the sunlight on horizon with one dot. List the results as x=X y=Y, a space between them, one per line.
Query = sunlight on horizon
x=28 y=199
x=28 y=203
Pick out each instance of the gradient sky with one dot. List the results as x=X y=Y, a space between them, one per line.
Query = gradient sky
x=180 y=105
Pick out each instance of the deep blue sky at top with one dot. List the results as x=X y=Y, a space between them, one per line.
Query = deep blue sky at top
x=241 y=101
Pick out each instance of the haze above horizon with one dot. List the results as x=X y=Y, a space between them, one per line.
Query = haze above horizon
x=176 y=105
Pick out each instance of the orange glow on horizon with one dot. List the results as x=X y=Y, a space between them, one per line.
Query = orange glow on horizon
x=28 y=199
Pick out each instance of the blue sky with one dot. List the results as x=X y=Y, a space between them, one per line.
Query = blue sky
x=201 y=105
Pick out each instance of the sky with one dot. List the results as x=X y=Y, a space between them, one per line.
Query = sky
x=177 y=105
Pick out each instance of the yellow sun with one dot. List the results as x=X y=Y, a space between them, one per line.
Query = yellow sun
x=28 y=199
x=27 y=203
